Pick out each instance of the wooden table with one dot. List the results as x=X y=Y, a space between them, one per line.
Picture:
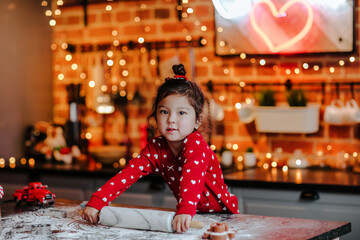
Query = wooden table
x=62 y=221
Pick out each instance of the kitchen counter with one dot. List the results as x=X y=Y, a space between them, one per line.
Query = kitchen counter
x=330 y=180
x=62 y=221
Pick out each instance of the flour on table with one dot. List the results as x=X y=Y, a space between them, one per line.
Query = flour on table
x=66 y=223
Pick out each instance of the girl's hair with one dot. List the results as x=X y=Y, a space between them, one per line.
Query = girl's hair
x=180 y=85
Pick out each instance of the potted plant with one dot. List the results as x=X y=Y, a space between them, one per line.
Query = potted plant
x=249 y=158
x=226 y=157
x=296 y=98
x=297 y=116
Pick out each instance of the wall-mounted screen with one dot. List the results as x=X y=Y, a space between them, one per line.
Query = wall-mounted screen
x=263 y=27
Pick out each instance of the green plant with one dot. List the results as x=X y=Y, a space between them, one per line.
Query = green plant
x=296 y=98
x=266 y=97
x=223 y=149
x=249 y=149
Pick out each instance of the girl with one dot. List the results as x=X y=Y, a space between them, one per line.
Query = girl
x=180 y=155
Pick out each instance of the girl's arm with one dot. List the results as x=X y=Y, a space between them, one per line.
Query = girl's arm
x=135 y=169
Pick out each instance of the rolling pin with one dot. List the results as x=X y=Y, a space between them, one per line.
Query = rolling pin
x=144 y=219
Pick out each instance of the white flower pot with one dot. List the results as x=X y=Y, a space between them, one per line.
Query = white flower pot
x=285 y=119
x=249 y=159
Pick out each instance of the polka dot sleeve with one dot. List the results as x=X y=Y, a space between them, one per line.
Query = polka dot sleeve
x=134 y=170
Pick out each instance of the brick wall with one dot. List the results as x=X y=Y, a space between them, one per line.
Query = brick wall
x=156 y=20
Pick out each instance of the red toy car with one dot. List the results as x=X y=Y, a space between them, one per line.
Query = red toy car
x=35 y=192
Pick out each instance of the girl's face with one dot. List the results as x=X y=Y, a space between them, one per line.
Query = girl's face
x=176 y=118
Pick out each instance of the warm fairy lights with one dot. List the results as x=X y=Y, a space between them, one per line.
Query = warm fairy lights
x=122 y=93
x=88 y=135
x=203 y=41
x=110 y=54
x=110 y=62
x=68 y=57
x=61 y=76
x=92 y=83
x=52 y=22
x=74 y=66
x=108 y=8
x=57 y=12
x=64 y=46
x=116 y=43
x=48 y=13
x=266 y=166
x=114 y=88
x=104 y=88
x=274 y=164
x=122 y=162
x=122 y=62
x=123 y=84
x=32 y=162
x=141 y=40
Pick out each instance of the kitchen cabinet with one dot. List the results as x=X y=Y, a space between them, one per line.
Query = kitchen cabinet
x=306 y=204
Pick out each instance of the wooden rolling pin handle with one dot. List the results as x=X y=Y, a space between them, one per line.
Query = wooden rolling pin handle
x=196 y=224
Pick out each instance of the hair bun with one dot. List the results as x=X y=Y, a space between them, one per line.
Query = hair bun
x=179 y=69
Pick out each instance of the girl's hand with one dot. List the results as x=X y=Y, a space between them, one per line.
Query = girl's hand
x=181 y=222
x=90 y=214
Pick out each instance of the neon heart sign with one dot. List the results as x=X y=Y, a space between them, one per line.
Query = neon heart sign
x=280 y=13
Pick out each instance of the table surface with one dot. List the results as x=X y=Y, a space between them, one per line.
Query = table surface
x=24 y=222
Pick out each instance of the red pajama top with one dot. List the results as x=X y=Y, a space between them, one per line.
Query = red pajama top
x=194 y=177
